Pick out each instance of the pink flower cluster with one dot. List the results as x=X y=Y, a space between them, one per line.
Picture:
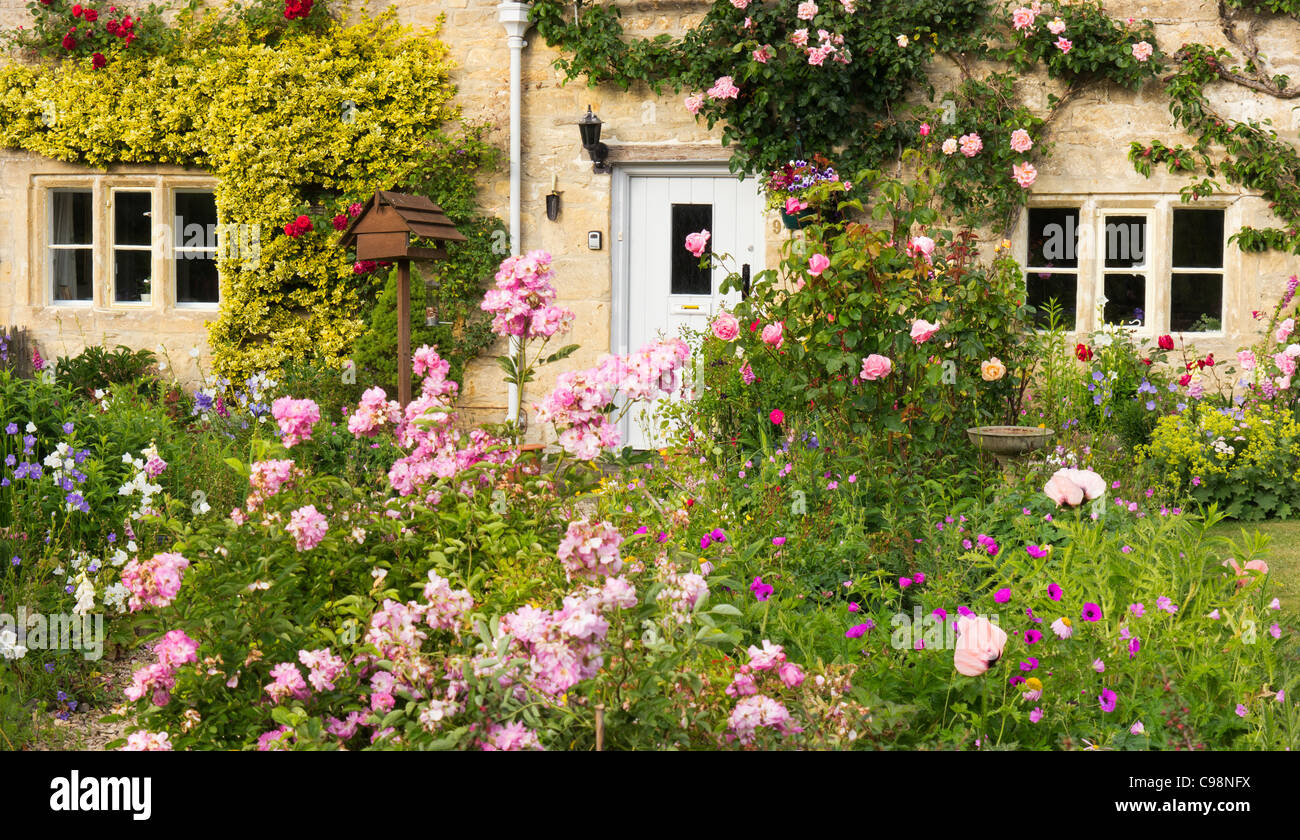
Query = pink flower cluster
x=828 y=46
x=682 y=593
x=308 y=527
x=446 y=606
x=427 y=430
x=374 y=411
x=155 y=581
x=287 y=682
x=521 y=301
x=723 y=88
x=158 y=680
x=143 y=741
x=755 y=710
x=510 y=737
x=266 y=478
x=296 y=418
x=579 y=405
x=590 y=549
x=323 y=668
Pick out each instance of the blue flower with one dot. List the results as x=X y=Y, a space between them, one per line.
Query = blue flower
x=11 y=429
x=1151 y=405
x=68 y=427
x=1097 y=376
x=1096 y=399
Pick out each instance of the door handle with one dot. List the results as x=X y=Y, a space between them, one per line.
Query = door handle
x=744 y=282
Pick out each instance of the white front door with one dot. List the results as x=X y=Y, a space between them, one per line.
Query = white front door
x=664 y=293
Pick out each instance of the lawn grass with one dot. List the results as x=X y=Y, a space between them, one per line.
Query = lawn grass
x=1283 y=557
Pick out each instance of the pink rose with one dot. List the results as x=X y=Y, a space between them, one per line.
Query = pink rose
x=1024 y=174
x=774 y=335
x=922 y=330
x=695 y=102
x=921 y=246
x=875 y=367
x=925 y=129
x=762 y=54
x=1246 y=358
x=949 y=146
x=1020 y=141
x=724 y=88
x=807 y=10
x=726 y=327
x=1284 y=329
x=970 y=144
x=794 y=206
x=1063 y=44
x=1069 y=487
x=697 y=242
x=1142 y=50
x=818 y=263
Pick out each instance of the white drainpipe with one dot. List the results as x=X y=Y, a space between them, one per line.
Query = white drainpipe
x=514 y=17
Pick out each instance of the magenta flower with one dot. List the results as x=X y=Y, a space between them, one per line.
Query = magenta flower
x=904 y=582
x=1032 y=637
x=857 y=630
x=1108 y=700
x=1036 y=552
x=1091 y=612
x=762 y=591
x=1002 y=595
x=940 y=613
x=1054 y=591
x=778 y=541
x=1036 y=715
x=1029 y=665
x=853 y=606
x=1241 y=710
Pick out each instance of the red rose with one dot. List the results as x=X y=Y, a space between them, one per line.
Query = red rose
x=1209 y=360
x=76 y=10
x=1165 y=342
x=130 y=36
x=690 y=502
x=69 y=42
x=98 y=61
x=777 y=416
x=1146 y=362
x=341 y=222
x=1184 y=379
x=112 y=27
x=1083 y=352
x=90 y=15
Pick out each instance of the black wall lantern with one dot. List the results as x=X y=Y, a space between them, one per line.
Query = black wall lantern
x=589 y=128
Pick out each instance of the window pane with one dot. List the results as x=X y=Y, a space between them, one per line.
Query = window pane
x=1198 y=239
x=1042 y=288
x=71 y=218
x=72 y=268
x=131 y=270
x=1125 y=297
x=131 y=223
x=1196 y=303
x=1054 y=237
x=196 y=278
x=1126 y=240
x=688 y=278
x=195 y=224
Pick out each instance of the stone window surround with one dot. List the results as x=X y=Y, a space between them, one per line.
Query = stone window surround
x=1158 y=207
x=163 y=188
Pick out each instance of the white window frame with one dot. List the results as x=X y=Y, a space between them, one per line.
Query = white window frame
x=113 y=247
x=177 y=250
x=1148 y=267
x=50 y=245
x=1158 y=268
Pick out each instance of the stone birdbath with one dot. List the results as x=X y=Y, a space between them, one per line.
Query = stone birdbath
x=1007 y=443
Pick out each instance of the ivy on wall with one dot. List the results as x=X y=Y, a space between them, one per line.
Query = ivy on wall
x=840 y=78
x=300 y=117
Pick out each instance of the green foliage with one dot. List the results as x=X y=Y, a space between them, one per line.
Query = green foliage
x=306 y=126
x=96 y=368
x=1101 y=48
x=1245 y=152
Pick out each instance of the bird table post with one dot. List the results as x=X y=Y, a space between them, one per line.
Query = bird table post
x=382 y=231
x=403 y=331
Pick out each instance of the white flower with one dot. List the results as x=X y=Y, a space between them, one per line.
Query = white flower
x=9 y=647
x=85 y=596
x=194 y=352
x=902 y=40
x=31 y=428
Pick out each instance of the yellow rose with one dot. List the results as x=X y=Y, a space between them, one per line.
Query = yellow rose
x=993 y=369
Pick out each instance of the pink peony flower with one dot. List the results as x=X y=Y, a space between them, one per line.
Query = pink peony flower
x=697 y=242
x=818 y=263
x=1070 y=486
x=726 y=327
x=979 y=645
x=875 y=367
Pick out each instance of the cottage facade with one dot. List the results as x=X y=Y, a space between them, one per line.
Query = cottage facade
x=74 y=255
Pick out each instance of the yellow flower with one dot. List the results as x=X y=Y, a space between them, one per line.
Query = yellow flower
x=1034 y=684
x=992 y=370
